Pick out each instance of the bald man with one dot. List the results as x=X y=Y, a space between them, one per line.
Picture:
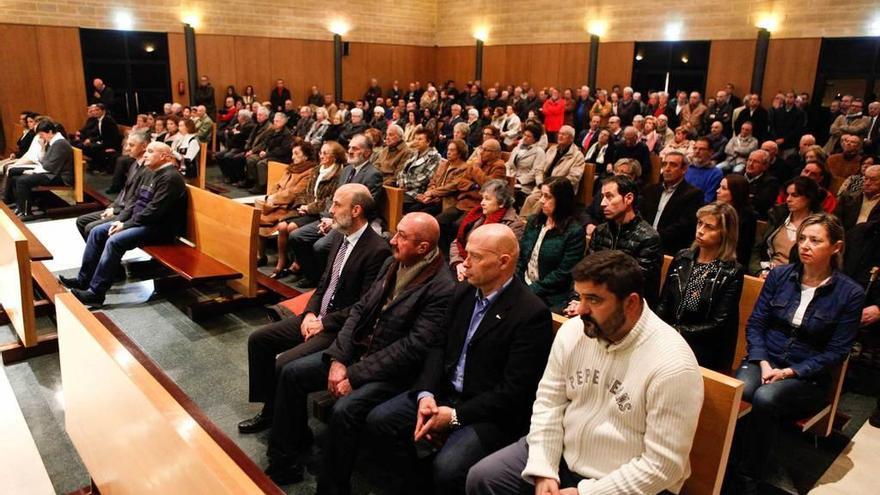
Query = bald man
x=376 y=356
x=476 y=389
x=158 y=215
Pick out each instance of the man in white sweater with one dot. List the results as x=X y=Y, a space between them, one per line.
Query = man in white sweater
x=618 y=403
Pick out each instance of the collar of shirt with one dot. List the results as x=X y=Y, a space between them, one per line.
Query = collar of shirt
x=671 y=189
x=353 y=237
x=485 y=302
x=752 y=179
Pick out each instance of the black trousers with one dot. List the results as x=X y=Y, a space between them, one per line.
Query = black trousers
x=85 y=223
x=231 y=163
x=270 y=348
x=19 y=187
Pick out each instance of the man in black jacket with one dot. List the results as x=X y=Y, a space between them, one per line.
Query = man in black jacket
x=100 y=138
x=671 y=206
x=236 y=139
x=205 y=96
x=355 y=259
x=376 y=355
x=158 y=215
x=477 y=385
x=277 y=147
x=763 y=187
x=631 y=147
x=279 y=95
x=853 y=209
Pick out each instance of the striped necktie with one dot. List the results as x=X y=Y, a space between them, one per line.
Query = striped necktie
x=334 y=278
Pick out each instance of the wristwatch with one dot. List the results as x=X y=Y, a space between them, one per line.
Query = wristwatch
x=454 y=421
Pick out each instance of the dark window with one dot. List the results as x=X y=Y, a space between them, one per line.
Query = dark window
x=670 y=66
x=848 y=66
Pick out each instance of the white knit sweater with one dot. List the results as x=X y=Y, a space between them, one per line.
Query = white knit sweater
x=622 y=415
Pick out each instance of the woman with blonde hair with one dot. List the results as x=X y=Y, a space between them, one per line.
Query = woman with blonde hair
x=701 y=293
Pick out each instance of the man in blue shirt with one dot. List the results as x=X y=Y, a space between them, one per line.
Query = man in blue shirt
x=476 y=388
x=702 y=172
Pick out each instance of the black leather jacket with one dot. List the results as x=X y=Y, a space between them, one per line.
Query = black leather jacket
x=711 y=331
x=638 y=239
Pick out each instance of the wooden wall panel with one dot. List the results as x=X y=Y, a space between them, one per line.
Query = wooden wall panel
x=791 y=65
x=615 y=64
x=177 y=66
x=495 y=65
x=61 y=69
x=574 y=64
x=730 y=61
x=20 y=78
x=215 y=55
x=386 y=63
x=563 y=65
x=252 y=66
x=457 y=63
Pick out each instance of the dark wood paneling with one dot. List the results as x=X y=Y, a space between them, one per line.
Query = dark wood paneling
x=730 y=61
x=574 y=64
x=457 y=63
x=20 y=78
x=177 y=66
x=791 y=66
x=615 y=64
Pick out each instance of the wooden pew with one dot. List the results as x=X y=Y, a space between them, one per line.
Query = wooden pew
x=275 y=172
x=588 y=182
x=823 y=422
x=116 y=399
x=214 y=137
x=751 y=290
x=200 y=181
x=667 y=260
x=77 y=190
x=392 y=208
x=36 y=250
x=722 y=396
x=656 y=163
x=220 y=245
x=26 y=292
x=76 y=198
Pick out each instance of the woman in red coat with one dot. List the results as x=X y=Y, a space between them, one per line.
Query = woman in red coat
x=554 y=114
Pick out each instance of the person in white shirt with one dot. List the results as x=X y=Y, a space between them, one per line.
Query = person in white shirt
x=617 y=407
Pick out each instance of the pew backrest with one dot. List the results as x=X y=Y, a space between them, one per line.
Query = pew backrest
x=79 y=175
x=751 y=290
x=588 y=182
x=392 y=209
x=667 y=260
x=654 y=176
x=16 y=290
x=275 y=172
x=116 y=399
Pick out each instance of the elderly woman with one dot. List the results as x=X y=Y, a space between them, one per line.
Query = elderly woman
x=316 y=133
x=187 y=149
x=523 y=161
x=701 y=294
x=802 y=327
x=495 y=207
x=443 y=188
x=679 y=143
x=553 y=242
x=314 y=199
x=602 y=108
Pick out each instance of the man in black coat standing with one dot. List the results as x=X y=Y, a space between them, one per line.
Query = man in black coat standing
x=205 y=96
x=476 y=388
x=671 y=206
x=375 y=356
x=279 y=95
x=355 y=259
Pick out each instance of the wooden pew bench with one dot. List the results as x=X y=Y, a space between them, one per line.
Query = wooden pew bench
x=220 y=245
x=74 y=199
x=27 y=291
x=135 y=430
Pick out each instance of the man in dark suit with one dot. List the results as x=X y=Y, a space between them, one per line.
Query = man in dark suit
x=854 y=209
x=355 y=259
x=100 y=137
x=377 y=354
x=763 y=187
x=476 y=388
x=671 y=206
x=279 y=95
x=755 y=114
x=103 y=94
x=311 y=242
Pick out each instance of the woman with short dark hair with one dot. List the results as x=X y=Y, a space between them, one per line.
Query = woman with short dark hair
x=778 y=247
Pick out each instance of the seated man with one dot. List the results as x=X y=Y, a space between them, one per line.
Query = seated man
x=356 y=258
x=236 y=139
x=376 y=355
x=135 y=147
x=311 y=242
x=99 y=138
x=234 y=164
x=391 y=158
x=617 y=407
x=702 y=173
x=204 y=124
x=415 y=174
x=626 y=231
x=54 y=169
x=671 y=206
x=158 y=215
x=475 y=392
x=276 y=147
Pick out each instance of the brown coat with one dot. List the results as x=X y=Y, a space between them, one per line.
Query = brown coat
x=283 y=194
x=389 y=161
x=445 y=183
x=695 y=116
x=473 y=179
x=315 y=204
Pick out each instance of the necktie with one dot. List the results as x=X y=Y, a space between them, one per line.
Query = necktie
x=872 y=133
x=587 y=140
x=350 y=176
x=334 y=278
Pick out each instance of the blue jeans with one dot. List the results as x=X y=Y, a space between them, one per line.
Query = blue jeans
x=394 y=422
x=103 y=254
x=771 y=402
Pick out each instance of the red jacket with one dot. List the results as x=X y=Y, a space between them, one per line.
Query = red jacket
x=554 y=114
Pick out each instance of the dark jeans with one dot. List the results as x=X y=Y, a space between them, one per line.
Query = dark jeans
x=85 y=223
x=393 y=424
x=232 y=164
x=104 y=252
x=311 y=249
x=410 y=205
x=757 y=432
x=270 y=348
x=290 y=424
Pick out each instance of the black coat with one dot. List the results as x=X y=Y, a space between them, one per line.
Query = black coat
x=678 y=222
x=759 y=122
x=711 y=330
x=639 y=152
x=762 y=194
x=24 y=143
x=278 y=99
x=279 y=144
x=505 y=358
x=390 y=344
x=848 y=208
x=358 y=274
x=108 y=135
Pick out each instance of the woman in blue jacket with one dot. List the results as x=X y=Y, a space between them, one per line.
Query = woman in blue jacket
x=803 y=324
x=551 y=245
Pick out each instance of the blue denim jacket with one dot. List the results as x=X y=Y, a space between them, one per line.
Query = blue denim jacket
x=826 y=333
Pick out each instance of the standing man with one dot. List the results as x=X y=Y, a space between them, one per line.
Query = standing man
x=102 y=94
x=205 y=96
x=279 y=95
x=617 y=407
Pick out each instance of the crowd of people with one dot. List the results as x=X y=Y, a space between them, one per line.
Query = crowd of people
x=436 y=340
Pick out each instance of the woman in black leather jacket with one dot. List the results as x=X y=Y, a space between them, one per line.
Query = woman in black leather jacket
x=701 y=293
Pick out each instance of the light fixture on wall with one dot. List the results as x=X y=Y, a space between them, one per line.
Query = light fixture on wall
x=123 y=20
x=684 y=58
x=481 y=33
x=768 y=21
x=874 y=26
x=149 y=48
x=192 y=18
x=597 y=27
x=339 y=26
x=673 y=31
x=640 y=56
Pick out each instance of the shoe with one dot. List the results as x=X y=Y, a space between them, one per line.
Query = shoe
x=262 y=261
x=88 y=298
x=257 y=189
x=72 y=282
x=874 y=419
x=276 y=274
x=256 y=424
x=243 y=183
x=286 y=475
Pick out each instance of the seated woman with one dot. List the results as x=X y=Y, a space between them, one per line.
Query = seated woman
x=278 y=203
x=854 y=183
x=734 y=190
x=29 y=149
x=700 y=297
x=553 y=242
x=819 y=172
x=159 y=130
x=443 y=188
x=495 y=207
x=802 y=326
x=316 y=197
x=679 y=143
x=186 y=149
x=172 y=134
x=412 y=125
x=803 y=198
x=522 y=162
x=319 y=128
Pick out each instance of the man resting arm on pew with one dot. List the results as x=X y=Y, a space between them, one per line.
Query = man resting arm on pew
x=158 y=214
